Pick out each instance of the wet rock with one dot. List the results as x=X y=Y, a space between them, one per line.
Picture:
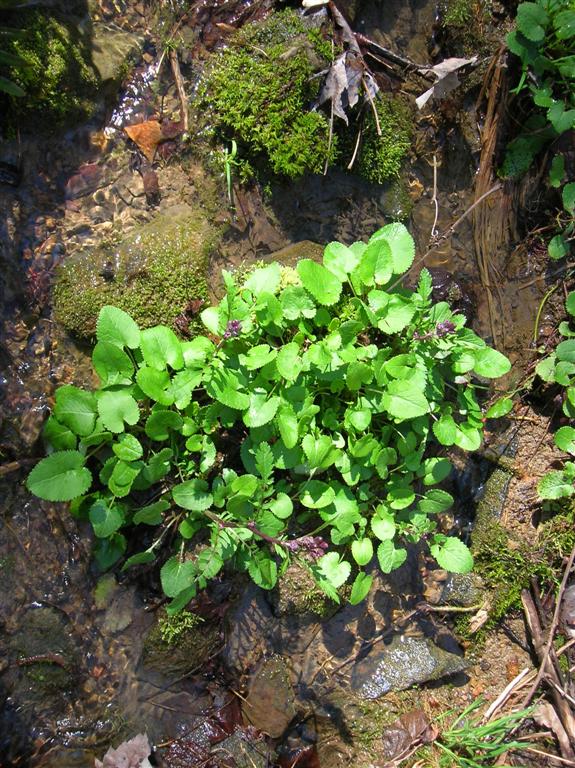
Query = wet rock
x=249 y=625
x=86 y=181
x=298 y=594
x=241 y=750
x=120 y=612
x=104 y=590
x=406 y=661
x=269 y=705
x=111 y=49
x=186 y=650
x=152 y=274
x=465 y=589
x=46 y=655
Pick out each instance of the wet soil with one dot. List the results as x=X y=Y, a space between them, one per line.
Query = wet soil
x=86 y=684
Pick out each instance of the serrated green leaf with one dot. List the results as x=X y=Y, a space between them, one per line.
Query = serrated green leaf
x=115 y=408
x=296 y=302
x=340 y=260
x=490 y=363
x=264 y=461
x=288 y=361
x=209 y=563
x=404 y=400
x=263 y=571
x=106 y=518
x=320 y=451
x=161 y=347
x=383 y=525
x=557 y=170
x=389 y=557
x=435 y=501
x=59 y=436
x=401 y=244
x=193 y=495
x=558 y=248
x=122 y=477
x=159 y=423
x=264 y=279
x=555 y=485
x=155 y=384
x=261 y=409
x=565 y=439
x=500 y=408
x=177 y=576
x=61 y=476
x=568 y=194
x=334 y=570
x=468 y=437
x=117 y=327
x=323 y=285
x=287 y=424
x=128 y=448
x=532 y=21
x=141 y=558
x=227 y=387
x=445 y=429
x=152 y=514
x=315 y=494
x=452 y=555
x=281 y=506
x=360 y=588
x=565 y=351
x=76 y=409
x=211 y=318
x=434 y=470
x=183 y=385
x=564 y=23
x=258 y=356
x=112 y=364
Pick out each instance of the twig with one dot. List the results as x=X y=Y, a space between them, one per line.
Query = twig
x=504 y=695
x=373 y=107
x=452 y=608
x=560 y=690
x=434 y=201
x=549 y=755
x=181 y=88
x=553 y=274
x=352 y=161
x=392 y=56
x=329 y=140
x=552 y=629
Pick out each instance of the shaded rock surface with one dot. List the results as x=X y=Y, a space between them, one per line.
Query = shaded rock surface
x=269 y=705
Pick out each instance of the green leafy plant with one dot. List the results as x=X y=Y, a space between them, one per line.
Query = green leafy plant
x=307 y=423
x=559 y=368
x=471 y=743
x=544 y=41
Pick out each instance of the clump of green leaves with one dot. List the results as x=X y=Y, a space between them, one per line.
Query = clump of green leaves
x=559 y=368
x=544 y=41
x=171 y=628
x=308 y=423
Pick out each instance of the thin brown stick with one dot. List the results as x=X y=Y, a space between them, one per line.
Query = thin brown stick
x=549 y=755
x=181 y=88
x=352 y=161
x=373 y=107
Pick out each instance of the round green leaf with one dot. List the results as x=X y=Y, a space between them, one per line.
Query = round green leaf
x=159 y=423
x=287 y=424
x=558 y=248
x=401 y=244
x=128 y=448
x=106 y=519
x=323 y=285
x=161 y=347
x=362 y=551
x=565 y=439
x=383 y=525
x=340 y=260
x=61 y=476
x=453 y=555
x=404 y=400
x=155 y=384
x=59 y=436
x=117 y=327
x=490 y=363
x=555 y=485
x=193 y=495
x=177 y=576
x=115 y=408
x=76 y=409
x=288 y=361
x=500 y=408
x=316 y=494
x=336 y=572
x=445 y=430
x=389 y=557
x=153 y=514
x=261 y=410
x=435 y=501
x=360 y=588
x=281 y=506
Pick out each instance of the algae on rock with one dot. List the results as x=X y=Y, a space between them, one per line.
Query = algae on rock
x=152 y=274
x=53 y=67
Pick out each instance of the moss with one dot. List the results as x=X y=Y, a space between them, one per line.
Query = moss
x=55 y=70
x=298 y=594
x=173 y=628
x=381 y=156
x=258 y=91
x=152 y=275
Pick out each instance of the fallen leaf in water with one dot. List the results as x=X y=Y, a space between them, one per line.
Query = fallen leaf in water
x=407 y=732
x=130 y=754
x=146 y=136
x=446 y=79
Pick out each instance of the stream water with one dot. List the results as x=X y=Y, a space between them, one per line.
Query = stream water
x=71 y=670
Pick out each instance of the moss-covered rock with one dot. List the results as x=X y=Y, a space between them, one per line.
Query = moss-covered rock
x=381 y=155
x=297 y=594
x=54 y=69
x=258 y=90
x=152 y=275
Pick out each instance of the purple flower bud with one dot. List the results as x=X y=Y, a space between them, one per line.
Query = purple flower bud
x=312 y=546
x=444 y=328
x=233 y=329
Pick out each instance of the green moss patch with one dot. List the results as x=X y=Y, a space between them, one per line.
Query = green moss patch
x=381 y=156
x=152 y=275
x=53 y=68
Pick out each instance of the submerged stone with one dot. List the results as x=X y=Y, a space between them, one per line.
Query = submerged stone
x=270 y=703
x=153 y=274
x=183 y=652
x=406 y=661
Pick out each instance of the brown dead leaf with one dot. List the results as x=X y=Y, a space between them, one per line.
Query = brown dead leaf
x=146 y=136
x=406 y=733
